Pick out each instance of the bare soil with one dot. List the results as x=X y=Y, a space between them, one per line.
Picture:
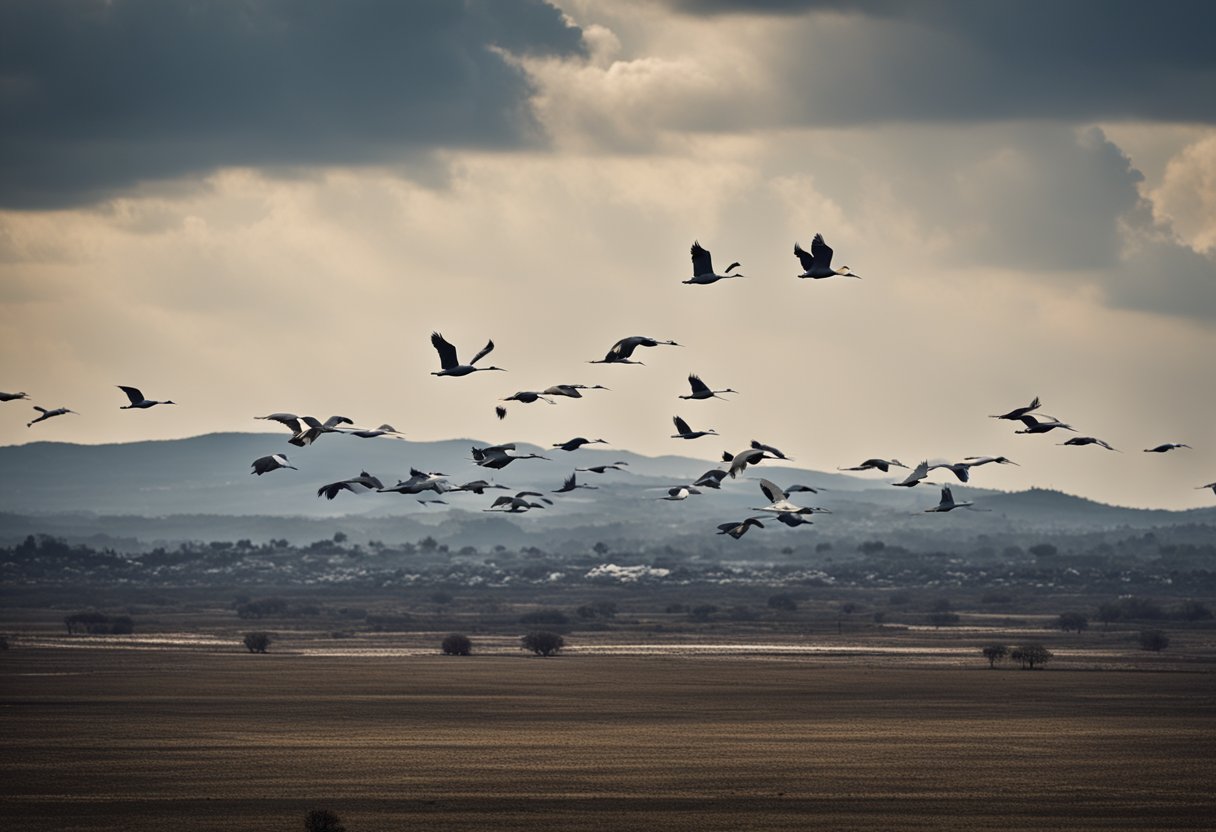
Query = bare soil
x=109 y=739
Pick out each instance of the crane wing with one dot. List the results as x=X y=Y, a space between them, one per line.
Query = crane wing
x=132 y=393
x=804 y=257
x=821 y=252
x=702 y=263
x=698 y=386
x=772 y=491
x=447 y=353
x=484 y=352
x=681 y=425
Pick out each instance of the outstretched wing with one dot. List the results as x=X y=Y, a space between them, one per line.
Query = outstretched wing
x=484 y=352
x=698 y=386
x=702 y=263
x=772 y=491
x=821 y=252
x=447 y=353
x=624 y=348
x=132 y=393
x=681 y=425
x=804 y=257
x=947 y=497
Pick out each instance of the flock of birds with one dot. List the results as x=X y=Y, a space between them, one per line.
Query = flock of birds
x=816 y=265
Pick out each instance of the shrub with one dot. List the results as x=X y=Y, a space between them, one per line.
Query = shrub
x=322 y=820
x=257 y=642
x=456 y=644
x=542 y=643
x=1154 y=640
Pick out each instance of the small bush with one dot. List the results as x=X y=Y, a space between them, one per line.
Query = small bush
x=542 y=643
x=1154 y=640
x=257 y=642
x=456 y=644
x=323 y=820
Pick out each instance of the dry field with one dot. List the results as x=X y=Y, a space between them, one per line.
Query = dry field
x=159 y=740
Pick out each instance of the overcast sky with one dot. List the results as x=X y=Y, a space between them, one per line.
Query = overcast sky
x=269 y=206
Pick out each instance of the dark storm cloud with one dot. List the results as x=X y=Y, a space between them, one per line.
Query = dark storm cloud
x=96 y=96
x=870 y=60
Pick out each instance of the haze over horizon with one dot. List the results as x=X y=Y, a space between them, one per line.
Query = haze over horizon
x=275 y=213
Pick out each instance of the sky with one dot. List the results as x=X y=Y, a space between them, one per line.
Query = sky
x=270 y=205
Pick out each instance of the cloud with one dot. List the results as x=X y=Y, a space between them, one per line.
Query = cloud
x=839 y=62
x=1186 y=198
x=97 y=96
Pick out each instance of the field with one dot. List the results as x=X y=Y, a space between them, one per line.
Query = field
x=156 y=739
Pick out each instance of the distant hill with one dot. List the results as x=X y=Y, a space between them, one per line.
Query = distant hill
x=201 y=488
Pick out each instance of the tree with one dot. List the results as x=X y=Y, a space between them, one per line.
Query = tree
x=1044 y=550
x=340 y=537
x=1072 y=621
x=456 y=644
x=994 y=653
x=1031 y=654
x=257 y=642
x=1154 y=640
x=323 y=820
x=542 y=643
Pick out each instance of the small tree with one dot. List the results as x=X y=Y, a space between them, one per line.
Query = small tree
x=456 y=644
x=257 y=642
x=322 y=820
x=542 y=643
x=1072 y=621
x=1154 y=640
x=1030 y=655
x=994 y=653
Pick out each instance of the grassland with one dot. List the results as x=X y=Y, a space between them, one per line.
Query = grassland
x=107 y=739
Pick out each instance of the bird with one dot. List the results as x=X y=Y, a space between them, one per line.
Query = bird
x=578 y=442
x=703 y=268
x=883 y=465
x=962 y=470
x=1167 y=446
x=710 y=479
x=778 y=499
x=1033 y=425
x=739 y=528
x=372 y=433
x=796 y=487
x=740 y=461
x=700 y=390
x=680 y=492
x=599 y=469
x=794 y=520
x=355 y=485
x=500 y=412
x=769 y=449
x=817 y=263
x=527 y=397
x=947 y=503
x=500 y=456
x=418 y=482
x=315 y=428
x=571 y=390
x=12 y=397
x=478 y=487
x=683 y=431
x=1088 y=440
x=48 y=414
x=570 y=483
x=918 y=474
x=518 y=503
x=623 y=349
x=138 y=402
x=266 y=464
x=1211 y=485
x=975 y=461
x=1019 y=412
x=433 y=502
x=451 y=365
